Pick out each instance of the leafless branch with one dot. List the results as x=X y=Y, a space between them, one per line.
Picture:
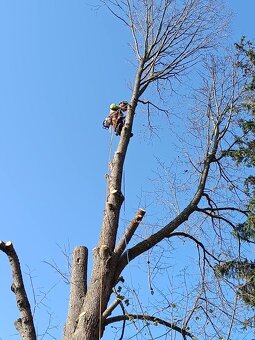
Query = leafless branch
x=149 y=103
x=155 y=320
x=56 y=268
x=245 y=212
x=199 y=243
x=166 y=231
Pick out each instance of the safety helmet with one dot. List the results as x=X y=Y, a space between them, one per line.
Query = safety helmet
x=114 y=107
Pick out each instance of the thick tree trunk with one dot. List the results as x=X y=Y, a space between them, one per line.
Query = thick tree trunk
x=90 y=324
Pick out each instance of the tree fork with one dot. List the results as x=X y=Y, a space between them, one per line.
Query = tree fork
x=90 y=321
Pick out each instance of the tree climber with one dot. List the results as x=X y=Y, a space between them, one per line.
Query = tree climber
x=116 y=117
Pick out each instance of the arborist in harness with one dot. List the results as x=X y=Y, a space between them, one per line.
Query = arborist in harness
x=116 y=117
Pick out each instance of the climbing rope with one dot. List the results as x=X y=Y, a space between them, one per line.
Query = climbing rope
x=100 y=305
x=110 y=147
x=124 y=188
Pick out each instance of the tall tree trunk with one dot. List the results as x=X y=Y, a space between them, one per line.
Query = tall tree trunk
x=89 y=325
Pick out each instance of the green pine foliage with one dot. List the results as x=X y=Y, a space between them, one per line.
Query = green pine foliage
x=244 y=271
x=243 y=150
x=243 y=153
x=246 y=231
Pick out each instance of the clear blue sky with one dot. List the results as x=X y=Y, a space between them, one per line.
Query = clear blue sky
x=61 y=64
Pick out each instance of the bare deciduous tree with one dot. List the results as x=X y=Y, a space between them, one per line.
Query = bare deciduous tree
x=169 y=37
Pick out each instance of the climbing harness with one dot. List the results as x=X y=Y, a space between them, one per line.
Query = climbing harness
x=117 y=126
x=116 y=118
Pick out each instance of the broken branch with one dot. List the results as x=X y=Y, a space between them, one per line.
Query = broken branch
x=133 y=225
x=25 y=324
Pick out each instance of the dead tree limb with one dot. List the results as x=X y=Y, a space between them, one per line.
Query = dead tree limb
x=111 y=308
x=129 y=232
x=25 y=324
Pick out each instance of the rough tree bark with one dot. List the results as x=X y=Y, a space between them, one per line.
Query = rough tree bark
x=78 y=289
x=25 y=324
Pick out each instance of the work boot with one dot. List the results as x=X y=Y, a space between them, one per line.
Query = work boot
x=118 y=129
